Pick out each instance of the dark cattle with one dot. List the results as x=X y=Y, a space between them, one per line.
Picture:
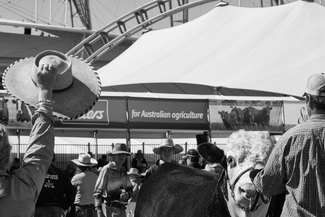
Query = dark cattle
x=176 y=190
x=230 y=120
x=4 y=113
x=253 y=116
x=239 y=113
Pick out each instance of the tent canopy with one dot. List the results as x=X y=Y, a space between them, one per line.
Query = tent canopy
x=272 y=49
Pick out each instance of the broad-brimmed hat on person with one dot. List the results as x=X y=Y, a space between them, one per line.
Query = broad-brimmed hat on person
x=85 y=160
x=168 y=143
x=315 y=84
x=192 y=153
x=133 y=171
x=119 y=148
x=76 y=90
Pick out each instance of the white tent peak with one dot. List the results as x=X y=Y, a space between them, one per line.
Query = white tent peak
x=272 y=49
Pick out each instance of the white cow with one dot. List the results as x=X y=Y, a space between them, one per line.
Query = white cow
x=245 y=150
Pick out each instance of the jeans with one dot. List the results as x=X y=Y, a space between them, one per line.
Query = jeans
x=49 y=211
x=85 y=211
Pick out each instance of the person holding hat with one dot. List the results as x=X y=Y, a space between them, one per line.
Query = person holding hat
x=193 y=158
x=297 y=163
x=166 y=150
x=33 y=81
x=113 y=185
x=84 y=182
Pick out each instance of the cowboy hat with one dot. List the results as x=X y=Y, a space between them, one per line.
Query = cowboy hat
x=212 y=154
x=75 y=92
x=168 y=143
x=133 y=171
x=85 y=160
x=192 y=153
x=119 y=148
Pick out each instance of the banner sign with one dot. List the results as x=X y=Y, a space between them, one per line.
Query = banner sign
x=107 y=113
x=168 y=114
x=249 y=115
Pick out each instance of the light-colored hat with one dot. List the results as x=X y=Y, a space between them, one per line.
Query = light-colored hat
x=75 y=92
x=133 y=171
x=119 y=148
x=168 y=143
x=85 y=160
x=314 y=84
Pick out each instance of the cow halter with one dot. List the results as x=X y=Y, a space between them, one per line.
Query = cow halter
x=252 y=206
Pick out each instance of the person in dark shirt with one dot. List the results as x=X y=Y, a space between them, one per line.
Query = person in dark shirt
x=15 y=164
x=139 y=162
x=193 y=159
x=102 y=161
x=57 y=194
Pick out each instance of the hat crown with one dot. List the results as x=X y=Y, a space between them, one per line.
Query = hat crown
x=167 y=143
x=134 y=171
x=193 y=153
x=84 y=158
x=315 y=83
x=120 y=147
x=60 y=63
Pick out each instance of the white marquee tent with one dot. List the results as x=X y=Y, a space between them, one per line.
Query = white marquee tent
x=269 y=49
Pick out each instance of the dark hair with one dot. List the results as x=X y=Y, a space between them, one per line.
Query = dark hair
x=318 y=102
x=83 y=168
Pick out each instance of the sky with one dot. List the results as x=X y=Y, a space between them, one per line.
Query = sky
x=102 y=11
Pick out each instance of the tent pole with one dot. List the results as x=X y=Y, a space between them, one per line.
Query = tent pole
x=18 y=151
x=96 y=144
x=128 y=134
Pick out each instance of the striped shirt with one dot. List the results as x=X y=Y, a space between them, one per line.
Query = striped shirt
x=110 y=182
x=297 y=165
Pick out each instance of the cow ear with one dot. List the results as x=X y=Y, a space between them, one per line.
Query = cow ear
x=231 y=161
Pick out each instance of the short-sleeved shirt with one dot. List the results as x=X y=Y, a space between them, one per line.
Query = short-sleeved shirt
x=297 y=165
x=84 y=183
x=110 y=182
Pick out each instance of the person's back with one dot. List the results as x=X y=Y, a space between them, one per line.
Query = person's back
x=57 y=194
x=84 y=182
x=297 y=163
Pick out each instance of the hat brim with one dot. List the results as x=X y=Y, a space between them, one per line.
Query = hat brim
x=70 y=103
x=134 y=174
x=110 y=153
x=93 y=162
x=177 y=149
x=210 y=152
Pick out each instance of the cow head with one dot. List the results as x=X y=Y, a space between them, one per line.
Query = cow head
x=244 y=150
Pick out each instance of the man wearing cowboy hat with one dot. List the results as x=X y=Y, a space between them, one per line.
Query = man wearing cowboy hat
x=166 y=150
x=84 y=182
x=113 y=185
x=193 y=158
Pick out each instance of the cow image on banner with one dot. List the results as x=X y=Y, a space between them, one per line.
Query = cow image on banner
x=248 y=115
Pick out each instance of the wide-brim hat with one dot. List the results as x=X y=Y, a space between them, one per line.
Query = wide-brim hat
x=119 y=148
x=85 y=160
x=133 y=171
x=193 y=153
x=168 y=143
x=75 y=92
x=211 y=153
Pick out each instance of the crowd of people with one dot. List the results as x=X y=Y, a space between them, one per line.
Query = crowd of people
x=35 y=187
